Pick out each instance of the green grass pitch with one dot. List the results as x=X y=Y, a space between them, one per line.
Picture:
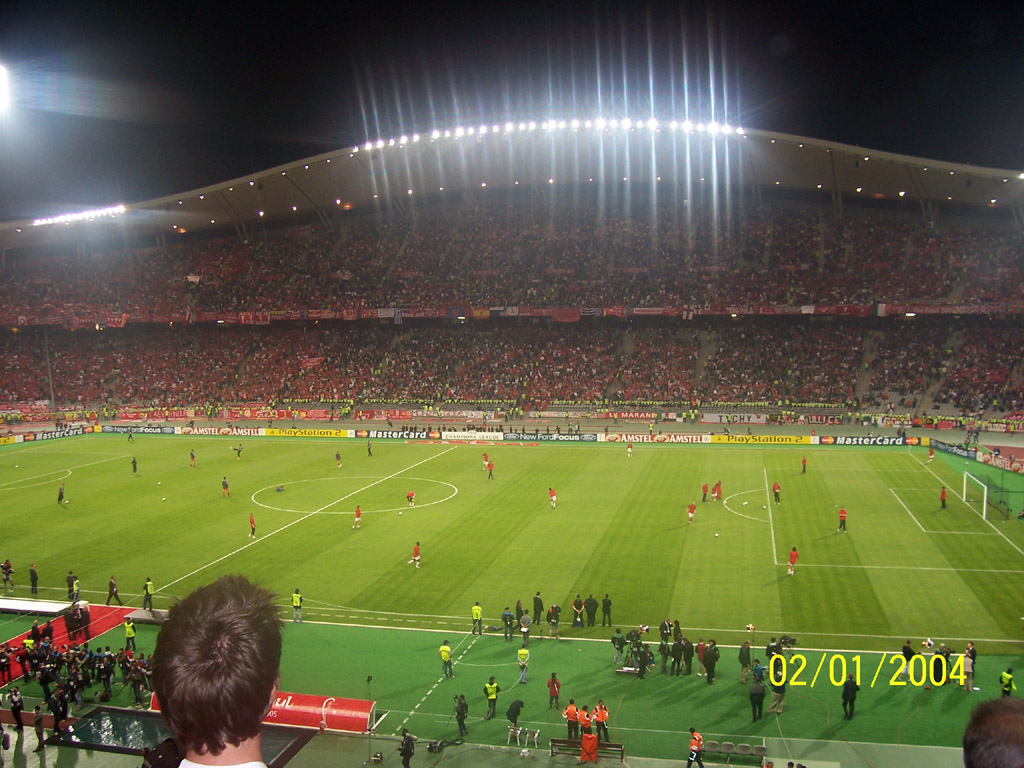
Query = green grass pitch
x=906 y=569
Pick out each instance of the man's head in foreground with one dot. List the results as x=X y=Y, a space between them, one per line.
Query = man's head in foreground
x=215 y=668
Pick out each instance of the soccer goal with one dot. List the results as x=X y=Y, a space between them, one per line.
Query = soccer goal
x=975 y=495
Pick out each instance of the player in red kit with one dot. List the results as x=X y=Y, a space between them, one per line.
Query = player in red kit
x=552 y=497
x=931 y=454
x=803 y=463
x=775 y=489
x=942 y=497
x=716 y=492
x=486 y=459
x=252 y=526
x=704 y=490
x=411 y=497
x=842 y=519
x=793 y=557
x=490 y=470
x=359 y=515
x=690 y=511
x=629 y=450
x=415 y=555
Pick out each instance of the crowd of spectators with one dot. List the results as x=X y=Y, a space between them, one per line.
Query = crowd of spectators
x=529 y=363
x=904 y=360
x=533 y=254
x=978 y=375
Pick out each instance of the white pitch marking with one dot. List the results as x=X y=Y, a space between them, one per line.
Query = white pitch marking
x=299 y=520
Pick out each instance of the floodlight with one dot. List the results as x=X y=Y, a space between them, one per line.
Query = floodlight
x=435 y=134
x=561 y=123
x=380 y=143
x=391 y=142
x=532 y=125
x=599 y=124
x=460 y=132
x=700 y=126
x=495 y=129
x=5 y=89
x=522 y=126
x=674 y=125
x=687 y=126
x=712 y=127
x=613 y=123
x=903 y=193
x=509 y=127
x=625 y=122
x=403 y=139
x=574 y=124
x=994 y=200
x=652 y=124
x=726 y=129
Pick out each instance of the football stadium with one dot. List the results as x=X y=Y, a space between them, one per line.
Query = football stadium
x=534 y=427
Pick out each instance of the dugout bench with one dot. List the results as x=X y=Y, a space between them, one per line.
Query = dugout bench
x=574 y=746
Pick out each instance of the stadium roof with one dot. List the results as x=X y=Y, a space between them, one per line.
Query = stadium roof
x=677 y=159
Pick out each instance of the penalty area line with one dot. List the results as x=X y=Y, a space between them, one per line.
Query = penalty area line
x=298 y=520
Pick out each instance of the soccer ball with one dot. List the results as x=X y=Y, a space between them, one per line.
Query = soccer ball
x=399 y=513
x=745 y=503
x=164 y=499
x=716 y=535
x=158 y=482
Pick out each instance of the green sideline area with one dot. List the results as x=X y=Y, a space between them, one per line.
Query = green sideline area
x=906 y=569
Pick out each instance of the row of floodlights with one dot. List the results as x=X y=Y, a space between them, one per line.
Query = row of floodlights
x=687 y=126
x=67 y=218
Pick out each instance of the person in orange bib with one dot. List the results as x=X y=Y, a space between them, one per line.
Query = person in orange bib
x=585 y=720
x=601 y=720
x=572 y=719
x=696 y=747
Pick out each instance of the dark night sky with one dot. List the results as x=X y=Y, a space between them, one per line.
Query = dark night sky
x=119 y=102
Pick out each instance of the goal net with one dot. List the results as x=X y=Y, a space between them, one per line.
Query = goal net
x=975 y=495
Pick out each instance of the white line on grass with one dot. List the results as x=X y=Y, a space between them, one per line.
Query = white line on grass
x=68 y=470
x=771 y=520
x=908 y=510
x=740 y=514
x=1005 y=537
x=716 y=630
x=300 y=519
x=440 y=679
x=913 y=567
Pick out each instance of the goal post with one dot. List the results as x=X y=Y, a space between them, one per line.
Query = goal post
x=975 y=495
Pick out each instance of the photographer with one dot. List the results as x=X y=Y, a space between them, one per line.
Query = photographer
x=461 y=713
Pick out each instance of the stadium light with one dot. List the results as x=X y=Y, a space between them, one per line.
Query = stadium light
x=687 y=126
x=5 y=89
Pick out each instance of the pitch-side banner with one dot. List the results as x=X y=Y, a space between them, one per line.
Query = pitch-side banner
x=545 y=437
x=236 y=431
x=303 y=432
x=765 y=439
x=394 y=434
x=645 y=438
x=865 y=440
